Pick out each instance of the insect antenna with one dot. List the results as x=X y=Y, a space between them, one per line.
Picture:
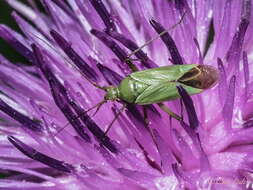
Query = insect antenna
x=155 y=38
x=68 y=61
x=98 y=106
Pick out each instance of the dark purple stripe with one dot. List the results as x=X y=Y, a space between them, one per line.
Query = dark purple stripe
x=104 y=14
x=246 y=73
x=192 y=116
x=229 y=103
x=222 y=87
x=151 y=162
x=169 y=42
x=66 y=9
x=65 y=103
x=110 y=76
x=233 y=54
x=35 y=155
x=135 y=115
x=77 y=60
x=95 y=130
x=110 y=43
x=21 y=118
x=60 y=95
x=5 y=33
x=189 y=130
x=133 y=46
x=248 y=124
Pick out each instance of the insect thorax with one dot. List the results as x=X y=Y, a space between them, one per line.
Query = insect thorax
x=130 y=89
x=112 y=93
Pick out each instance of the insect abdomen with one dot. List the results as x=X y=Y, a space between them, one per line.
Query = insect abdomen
x=130 y=89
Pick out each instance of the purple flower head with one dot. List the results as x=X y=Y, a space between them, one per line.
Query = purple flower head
x=50 y=141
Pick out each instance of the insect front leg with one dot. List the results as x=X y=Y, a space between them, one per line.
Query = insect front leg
x=115 y=118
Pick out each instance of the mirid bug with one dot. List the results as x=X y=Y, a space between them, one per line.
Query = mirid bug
x=159 y=84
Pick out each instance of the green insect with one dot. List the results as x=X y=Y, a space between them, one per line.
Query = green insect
x=159 y=84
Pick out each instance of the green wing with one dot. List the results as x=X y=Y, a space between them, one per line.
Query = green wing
x=161 y=74
x=163 y=92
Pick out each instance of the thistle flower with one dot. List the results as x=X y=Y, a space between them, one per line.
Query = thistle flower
x=49 y=142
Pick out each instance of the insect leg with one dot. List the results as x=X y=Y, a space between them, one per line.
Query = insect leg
x=145 y=112
x=69 y=62
x=115 y=118
x=168 y=111
x=156 y=37
x=98 y=106
x=128 y=61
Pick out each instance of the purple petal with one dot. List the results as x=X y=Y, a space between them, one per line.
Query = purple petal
x=104 y=14
x=246 y=74
x=169 y=42
x=165 y=153
x=192 y=116
x=234 y=52
x=60 y=95
x=141 y=177
x=66 y=9
x=21 y=118
x=110 y=76
x=151 y=162
x=35 y=155
x=222 y=81
x=227 y=110
x=116 y=49
x=248 y=124
x=180 y=175
x=133 y=46
x=9 y=35
x=72 y=54
x=199 y=51
x=135 y=115
x=96 y=131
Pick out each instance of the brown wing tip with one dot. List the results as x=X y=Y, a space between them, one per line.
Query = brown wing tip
x=201 y=76
x=209 y=76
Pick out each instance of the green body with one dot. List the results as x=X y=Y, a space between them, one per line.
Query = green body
x=159 y=84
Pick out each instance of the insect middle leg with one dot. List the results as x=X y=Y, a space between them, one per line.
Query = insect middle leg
x=168 y=111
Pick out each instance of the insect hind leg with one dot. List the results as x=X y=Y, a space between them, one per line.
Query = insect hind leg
x=145 y=114
x=169 y=112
